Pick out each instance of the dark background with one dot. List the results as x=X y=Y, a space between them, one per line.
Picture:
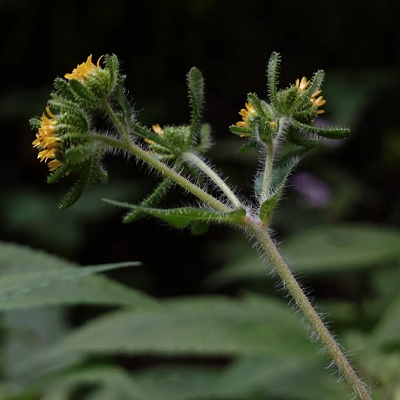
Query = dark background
x=158 y=41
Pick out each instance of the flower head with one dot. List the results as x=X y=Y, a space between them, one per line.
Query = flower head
x=246 y=113
x=319 y=102
x=157 y=129
x=303 y=84
x=47 y=141
x=84 y=69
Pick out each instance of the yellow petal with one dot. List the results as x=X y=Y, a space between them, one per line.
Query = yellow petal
x=241 y=124
x=54 y=164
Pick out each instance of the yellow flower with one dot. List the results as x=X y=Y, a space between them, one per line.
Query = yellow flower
x=47 y=141
x=84 y=69
x=245 y=113
x=157 y=129
x=303 y=84
x=319 y=102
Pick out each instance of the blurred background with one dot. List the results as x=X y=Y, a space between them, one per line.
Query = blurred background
x=351 y=184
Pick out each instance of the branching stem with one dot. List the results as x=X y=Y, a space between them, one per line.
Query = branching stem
x=199 y=163
x=293 y=287
x=132 y=148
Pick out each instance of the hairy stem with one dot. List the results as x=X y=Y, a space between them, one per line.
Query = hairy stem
x=143 y=155
x=110 y=112
x=291 y=284
x=268 y=171
x=199 y=163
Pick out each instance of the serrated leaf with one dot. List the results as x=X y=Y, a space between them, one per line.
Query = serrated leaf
x=113 y=67
x=255 y=102
x=304 y=98
x=87 y=177
x=272 y=76
x=305 y=143
x=183 y=217
x=210 y=326
x=80 y=90
x=32 y=278
x=280 y=174
x=79 y=153
x=329 y=133
x=63 y=90
x=237 y=130
x=195 y=83
x=57 y=175
x=150 y=201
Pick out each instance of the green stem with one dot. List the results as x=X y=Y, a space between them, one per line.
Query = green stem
x=199 y=163
x=267 y=171
x=164 y=169
x=110 y=112
x=291 y=284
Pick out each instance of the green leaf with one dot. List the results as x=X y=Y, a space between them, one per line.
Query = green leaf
x=304 y=99
x=32 y=278
x=150 y=201
x=280 y=174
x=272 y=76
x=246 y=147
x=57 y=175
x=386 y=333
x=282 y=377
x=113 y=67
x=268 y=206
x=128 y=115
x=183 y=217
x=199 y=228
x=342 y=247
x=329 y=133
x=79 y=153
x=195 y=83
x=324 y=249
x=205 y=143
x=255 y=102
x=237 y=130
x=113 y=378
x=81 y=91
x=88 y=175
x=305 y=143
x=207 y=326
x=63 y=90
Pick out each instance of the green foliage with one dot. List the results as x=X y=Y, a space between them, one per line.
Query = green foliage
x=90 y=172
x=208 y=326
x=195 y=84
x=31 y=278
x=303 y=100
x=323 y=249
x=329 y=133
x=150 y=201
x=82 y=92
x=183 y=217
x=273 y=78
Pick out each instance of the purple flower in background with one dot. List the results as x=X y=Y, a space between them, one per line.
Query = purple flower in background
x=315 y=192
